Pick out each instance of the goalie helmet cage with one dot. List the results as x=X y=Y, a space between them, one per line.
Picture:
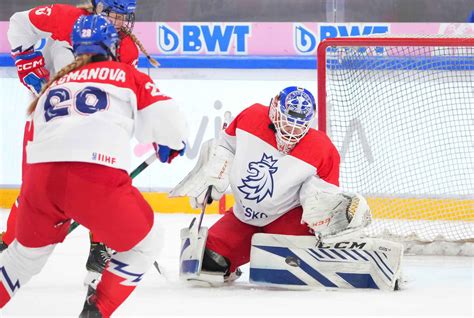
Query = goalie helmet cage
x=401 y=113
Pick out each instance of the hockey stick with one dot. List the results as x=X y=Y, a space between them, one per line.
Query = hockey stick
x=207 y=197
x=193 y=238
x=133 y=174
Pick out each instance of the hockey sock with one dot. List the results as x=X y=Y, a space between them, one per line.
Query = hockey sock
x=111 y=293
x=124 y=272
x=9 y=234
x=18 y=264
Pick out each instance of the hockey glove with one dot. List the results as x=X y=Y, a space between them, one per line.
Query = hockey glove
x=329 y=211
x=166 y=154
x=212 y=170
x=31 y=70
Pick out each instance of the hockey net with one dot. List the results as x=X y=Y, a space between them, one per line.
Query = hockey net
x=401 y=113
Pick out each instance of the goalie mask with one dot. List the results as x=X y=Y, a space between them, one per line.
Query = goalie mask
x=292 y=112
x=121 y=13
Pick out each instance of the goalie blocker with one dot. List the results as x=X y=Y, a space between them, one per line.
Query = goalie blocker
x=339 y=262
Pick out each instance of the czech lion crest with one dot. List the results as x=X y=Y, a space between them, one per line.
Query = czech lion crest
x=259 y=182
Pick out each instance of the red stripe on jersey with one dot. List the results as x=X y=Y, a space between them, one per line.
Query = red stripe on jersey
x=255 y=121
x=120 y=75
x=315 y=148
x=127 y=51
x=59 y=19
x=111 y=293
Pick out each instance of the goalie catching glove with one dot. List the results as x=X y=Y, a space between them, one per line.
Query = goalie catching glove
x=211 y=170
x=329 y=211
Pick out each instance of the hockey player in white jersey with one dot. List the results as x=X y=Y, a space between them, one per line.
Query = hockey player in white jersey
x=85 y=118
x=284 y=176
x=54 y=24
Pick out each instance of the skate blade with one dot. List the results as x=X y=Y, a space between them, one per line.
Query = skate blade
x=206 y=280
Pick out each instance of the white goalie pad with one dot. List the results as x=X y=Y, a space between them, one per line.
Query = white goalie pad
x=190 y=260
x=192 y=251
x=299 y=261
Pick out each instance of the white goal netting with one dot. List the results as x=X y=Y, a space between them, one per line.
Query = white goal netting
x=401 y=113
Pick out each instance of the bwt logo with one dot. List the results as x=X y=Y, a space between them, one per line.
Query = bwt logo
x=197 y=38
x=306 y=41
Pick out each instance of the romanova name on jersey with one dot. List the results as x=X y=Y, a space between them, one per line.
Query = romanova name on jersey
x=90 y=115
x=98 y=73
x=266 y=183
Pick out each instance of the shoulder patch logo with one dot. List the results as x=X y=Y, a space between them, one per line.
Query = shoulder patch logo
x=259 y=182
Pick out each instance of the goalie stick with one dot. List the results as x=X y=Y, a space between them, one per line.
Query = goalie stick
x=194 y=238
x=207 y=197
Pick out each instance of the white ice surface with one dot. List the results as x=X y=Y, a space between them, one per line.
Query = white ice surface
x=437 y=286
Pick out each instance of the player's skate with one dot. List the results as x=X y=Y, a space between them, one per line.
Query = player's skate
x=3 y=245
x=216 y=264
x=99 y=255
x=215 y=271
x=231 y=277
x=90 y=309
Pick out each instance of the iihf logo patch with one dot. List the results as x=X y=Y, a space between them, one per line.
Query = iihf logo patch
x=259 y=183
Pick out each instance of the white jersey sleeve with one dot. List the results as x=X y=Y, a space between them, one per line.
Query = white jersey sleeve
x=54 y=23
x=22 y=34
x=159 y=118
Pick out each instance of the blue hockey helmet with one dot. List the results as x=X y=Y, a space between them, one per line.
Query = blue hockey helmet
x=120 y=12
x=93 y=34
x=292 y=112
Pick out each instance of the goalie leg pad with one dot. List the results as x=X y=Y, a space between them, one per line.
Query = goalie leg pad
x=202 y=266
x=299 y=261
x=192 y=251
x=193 y=246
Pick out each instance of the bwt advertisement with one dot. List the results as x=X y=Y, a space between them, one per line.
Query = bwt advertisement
x=204 y=95
x=262 y=39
